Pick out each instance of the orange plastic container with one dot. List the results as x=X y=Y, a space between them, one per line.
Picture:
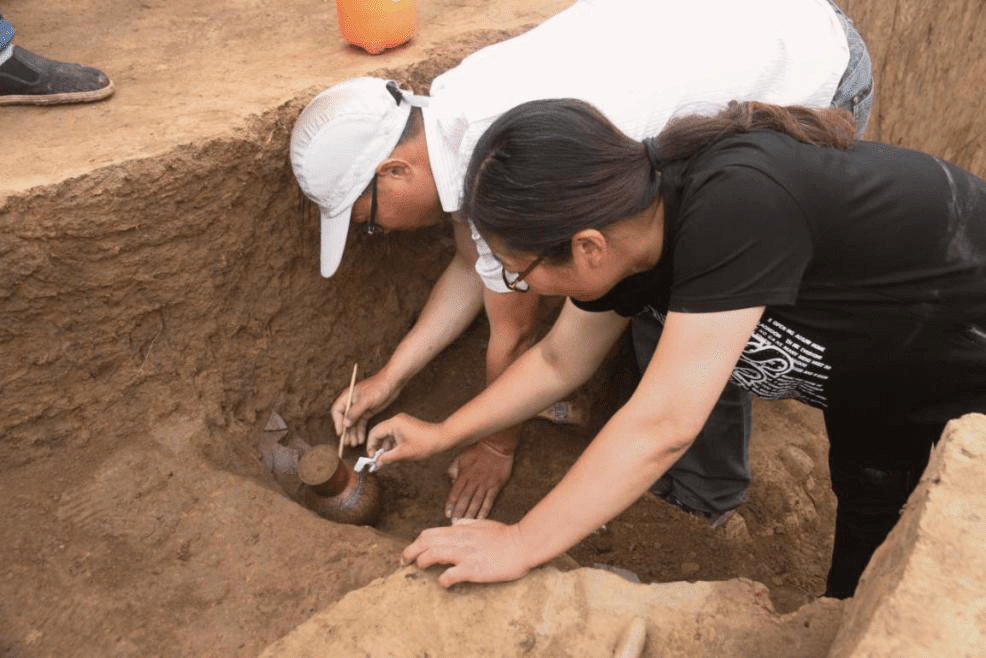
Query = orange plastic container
x=375 y=25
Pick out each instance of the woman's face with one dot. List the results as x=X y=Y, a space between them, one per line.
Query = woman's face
x=600 y=258
x=584 y=277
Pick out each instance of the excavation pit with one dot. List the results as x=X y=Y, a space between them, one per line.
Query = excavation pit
x=166 y=330
x=160 y=298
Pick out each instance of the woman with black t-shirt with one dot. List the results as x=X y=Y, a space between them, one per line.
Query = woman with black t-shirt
x=783 y=256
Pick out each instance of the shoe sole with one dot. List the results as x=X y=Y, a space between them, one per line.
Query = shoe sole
x=60 y=99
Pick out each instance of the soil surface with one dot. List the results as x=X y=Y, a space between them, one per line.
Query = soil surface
x=186 y=71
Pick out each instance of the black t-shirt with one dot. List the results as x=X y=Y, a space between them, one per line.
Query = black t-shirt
x=871 y=264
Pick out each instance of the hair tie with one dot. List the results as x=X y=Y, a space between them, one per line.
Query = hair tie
x=650 y=146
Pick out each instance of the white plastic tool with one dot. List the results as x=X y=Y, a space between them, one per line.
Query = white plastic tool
x=363 y=462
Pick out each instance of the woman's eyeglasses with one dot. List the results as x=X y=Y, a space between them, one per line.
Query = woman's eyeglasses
x=516 y=282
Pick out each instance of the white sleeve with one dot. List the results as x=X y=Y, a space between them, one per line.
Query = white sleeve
x=490 y=269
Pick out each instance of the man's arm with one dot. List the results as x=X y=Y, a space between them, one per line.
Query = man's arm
x=453 y=304
x=512 y=317
x=481 y=471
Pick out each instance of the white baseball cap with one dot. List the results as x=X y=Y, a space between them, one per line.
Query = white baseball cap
x=337 y=142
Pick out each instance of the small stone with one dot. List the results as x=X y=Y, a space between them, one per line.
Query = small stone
x=798 y=462
x=625 y=574
x=275 y=423
x=690 y=568
x=736 y=530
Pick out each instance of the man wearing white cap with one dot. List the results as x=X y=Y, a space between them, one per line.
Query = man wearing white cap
x=371 y=153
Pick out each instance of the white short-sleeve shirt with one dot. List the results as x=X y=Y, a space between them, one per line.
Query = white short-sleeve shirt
x=641 y=62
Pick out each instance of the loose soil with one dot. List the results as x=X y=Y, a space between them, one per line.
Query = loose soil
x=780 y=538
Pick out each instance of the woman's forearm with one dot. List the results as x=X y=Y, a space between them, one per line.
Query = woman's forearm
x=529 y=385
x=647 y=435
x=639 y=443
x=620 y=464
x=550 y=370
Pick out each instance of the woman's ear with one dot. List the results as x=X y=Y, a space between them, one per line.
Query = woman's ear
x=589 y=246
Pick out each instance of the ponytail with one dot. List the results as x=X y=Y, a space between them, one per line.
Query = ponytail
x=547 y=169
x=828 y=127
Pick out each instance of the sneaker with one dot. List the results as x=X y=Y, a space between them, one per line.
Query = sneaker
x=29 y=79
x=565 y=412
x=662 y=489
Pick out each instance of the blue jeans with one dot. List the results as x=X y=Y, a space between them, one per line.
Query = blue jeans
x=855 y=90
x=6 y=33
x=714 y=474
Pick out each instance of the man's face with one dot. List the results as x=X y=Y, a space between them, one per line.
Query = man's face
x=400 y=206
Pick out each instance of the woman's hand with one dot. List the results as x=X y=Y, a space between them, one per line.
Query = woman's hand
x=405 y=437
x=479 y=552
x=370 y=396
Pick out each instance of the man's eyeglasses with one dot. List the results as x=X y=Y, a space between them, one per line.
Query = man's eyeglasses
x=516 y=282
x=371 y=228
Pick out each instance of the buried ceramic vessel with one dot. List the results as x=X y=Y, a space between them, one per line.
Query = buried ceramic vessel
x=335 y=491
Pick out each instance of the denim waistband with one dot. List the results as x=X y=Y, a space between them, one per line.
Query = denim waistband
x=6 y=33
x=855 y=89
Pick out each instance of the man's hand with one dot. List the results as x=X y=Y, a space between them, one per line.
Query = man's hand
x=478 y=475
x=370 y=396
x=480 y=552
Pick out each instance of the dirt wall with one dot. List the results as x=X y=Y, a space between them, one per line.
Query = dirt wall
x=194 y=272
x=929 y=65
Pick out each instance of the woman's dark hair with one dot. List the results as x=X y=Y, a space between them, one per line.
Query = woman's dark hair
x=547 y=169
